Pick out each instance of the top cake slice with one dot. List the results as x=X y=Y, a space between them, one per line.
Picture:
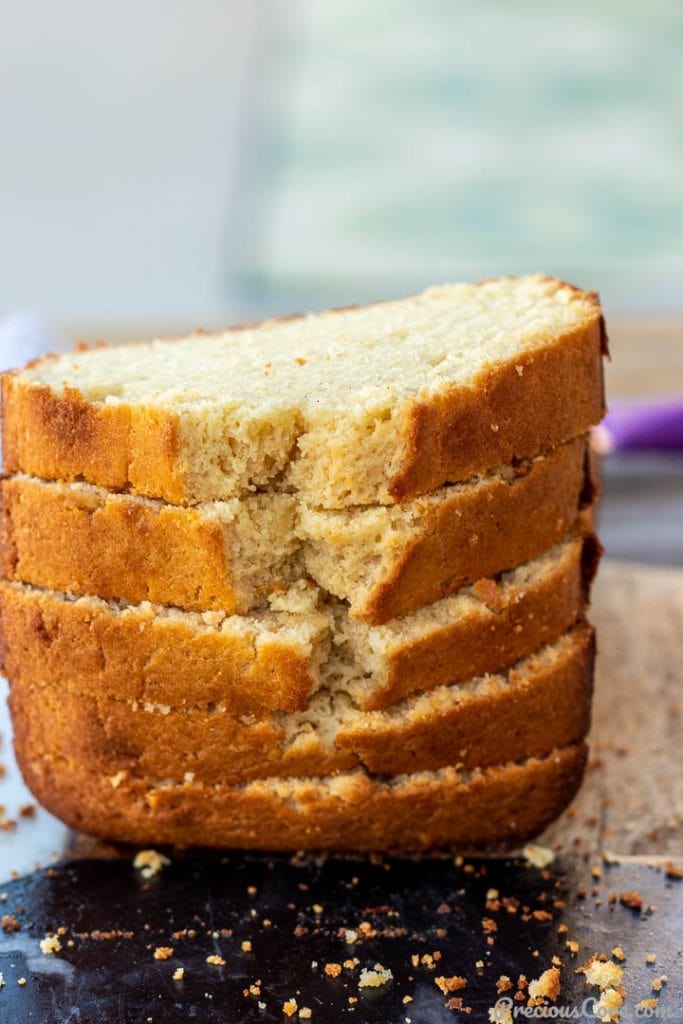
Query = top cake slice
x=349 y=407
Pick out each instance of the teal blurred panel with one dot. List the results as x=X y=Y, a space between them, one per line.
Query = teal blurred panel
x=396 y=144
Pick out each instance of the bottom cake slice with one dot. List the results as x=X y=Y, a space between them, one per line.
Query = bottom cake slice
x=495 y=807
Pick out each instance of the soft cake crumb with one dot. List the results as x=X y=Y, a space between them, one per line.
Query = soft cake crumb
x=216 y=960
x=538 y=856
x=179 y=974
x=21 y=981
x=163 y=953
x=453 y=984
x=547 y=986
x=603 y=974
x=246 y=946
x=332 y=970
x=150 y=863
x=305 y=1013
x=289 y=1007
x=650 y=958
x=611 y=1000
x=375 y=978
x=50 y=944
x=618 y=953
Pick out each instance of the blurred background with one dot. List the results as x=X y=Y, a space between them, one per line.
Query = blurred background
x=173 y=165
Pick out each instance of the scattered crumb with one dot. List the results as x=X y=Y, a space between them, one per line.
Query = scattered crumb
x=632 y=899
x=246 y=946
x=216 y=960
x=538 y=856
x=500 y=1015
x=305 y=1013
x=179 y=974
x=407 y=999
x=150 y=863
x=545 y=987
x=21 y=981
x=163 y=953
x=650 y=958
x=573 y=946
x=375 y=978
x=453 y=984
x=604 y=974
x=332 y=970
x=289 y=1007
x=2 y=980
x=618 y=953
x=673 y=870
x=50 y=944
x=10 y=924
x=647 y=1004
x=658 y=982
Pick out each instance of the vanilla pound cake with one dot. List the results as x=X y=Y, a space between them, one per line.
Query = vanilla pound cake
x=351 y=407
x=277 y=659
x=540 y=703
x=498 y=807
x=231 y=556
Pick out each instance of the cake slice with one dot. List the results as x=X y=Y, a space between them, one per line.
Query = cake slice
x=541 y=703
x=222 y=555
x=499 y=807
x=276 y=659
x=351 y=407
x=230 y=556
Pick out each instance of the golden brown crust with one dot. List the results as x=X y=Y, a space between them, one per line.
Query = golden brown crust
x=65 y=437
x=114 y=546
x=509 y=625
x=514 y=410
x=471 y=533
x=544 y=704
x=499 y=807
x=90 y=649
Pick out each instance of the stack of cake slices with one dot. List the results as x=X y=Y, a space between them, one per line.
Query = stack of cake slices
x=319 y=583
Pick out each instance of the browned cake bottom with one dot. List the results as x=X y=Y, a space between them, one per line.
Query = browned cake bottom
x=500 y=806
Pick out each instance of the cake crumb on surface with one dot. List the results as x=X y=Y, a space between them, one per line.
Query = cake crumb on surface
x=538 y=856
x=289 y=1007
x=150 y=862
x=50 y=944
x=374 y=978
x=216 y=960
x=179 y=974
x=452 y=984
x=163 y=953
x=547 y=986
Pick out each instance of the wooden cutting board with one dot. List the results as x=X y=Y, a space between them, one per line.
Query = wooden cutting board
x=632 y=800
x=624 y=827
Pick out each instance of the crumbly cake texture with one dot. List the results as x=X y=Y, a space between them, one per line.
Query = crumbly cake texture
x=352 y=407
x=493 y=807
x=276 y=660
x=385 y=561
x=541 y=703
x=225 y=555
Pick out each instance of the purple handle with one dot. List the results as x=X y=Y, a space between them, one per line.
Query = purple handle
x=643 y=426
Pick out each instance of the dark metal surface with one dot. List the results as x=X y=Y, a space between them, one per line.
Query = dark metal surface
x=426 y=907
